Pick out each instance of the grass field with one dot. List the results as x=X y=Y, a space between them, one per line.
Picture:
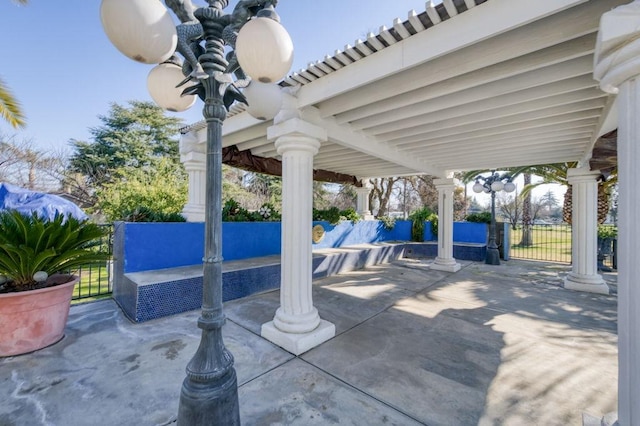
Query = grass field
x=94 y=283
x=550 y=243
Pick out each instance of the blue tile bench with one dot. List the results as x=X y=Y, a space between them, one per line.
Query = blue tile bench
x=154 y=294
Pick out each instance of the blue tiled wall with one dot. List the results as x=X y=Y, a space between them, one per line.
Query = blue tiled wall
x=150 y=246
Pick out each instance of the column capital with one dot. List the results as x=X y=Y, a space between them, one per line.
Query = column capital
x=582 y=175
x=444 y=184
x=296 y=127
x=617 y=56
x=365 y=190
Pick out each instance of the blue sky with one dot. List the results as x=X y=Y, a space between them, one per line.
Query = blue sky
x=63 y=70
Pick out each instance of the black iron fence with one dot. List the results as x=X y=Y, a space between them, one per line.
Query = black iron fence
x=96 y=278
x=551 y=242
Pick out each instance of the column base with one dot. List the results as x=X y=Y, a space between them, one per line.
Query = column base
x=447 y=265
x=299 y=343
x=610 y=419
x=368 y=217
x=588 y=283
x=193 y=212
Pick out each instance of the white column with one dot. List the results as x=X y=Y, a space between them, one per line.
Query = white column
x=617 y=67
x=195 y=166
x=363 y=202
x=297 y=327
x=445 y=260
x=584 y=233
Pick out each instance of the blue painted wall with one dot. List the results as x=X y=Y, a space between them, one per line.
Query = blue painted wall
x=470 y=232
x=369 y=231
x=149 y=246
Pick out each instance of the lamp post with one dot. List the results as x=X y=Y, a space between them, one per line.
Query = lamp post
x=261 y=50
x=493 y=183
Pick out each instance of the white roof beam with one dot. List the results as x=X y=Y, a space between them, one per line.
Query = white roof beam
x=575 y=57
x=460 y=126
x=497 y=17
x=485 y=111
x=503 y=143
x=344 y=135
x=476 y=99
x=445 y=136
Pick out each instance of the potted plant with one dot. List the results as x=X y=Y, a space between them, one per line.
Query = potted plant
x=37 y=256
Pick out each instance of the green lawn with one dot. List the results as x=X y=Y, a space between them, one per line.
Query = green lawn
x=94 y=283
x=550 y=243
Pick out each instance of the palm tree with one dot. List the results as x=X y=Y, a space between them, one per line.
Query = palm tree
x=10 y=108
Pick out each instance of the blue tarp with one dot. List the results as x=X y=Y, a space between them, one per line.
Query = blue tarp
x=45 y=205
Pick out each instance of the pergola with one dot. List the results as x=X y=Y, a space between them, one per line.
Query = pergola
x=464 y=85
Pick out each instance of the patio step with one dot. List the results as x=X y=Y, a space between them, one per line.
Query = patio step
x=148 y=295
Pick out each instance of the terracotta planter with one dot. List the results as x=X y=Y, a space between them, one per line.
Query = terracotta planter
x=32 y=320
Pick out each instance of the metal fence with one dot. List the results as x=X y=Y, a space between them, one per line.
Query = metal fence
x=96 y=278
x=552 y=243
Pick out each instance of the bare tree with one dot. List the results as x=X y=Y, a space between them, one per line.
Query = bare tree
x=382 y=189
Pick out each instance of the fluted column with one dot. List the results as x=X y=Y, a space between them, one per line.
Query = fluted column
x=193 y=158
x=445 y=261
x=584 y=233
x=617 y=67
x=296 y=326
x=363 y=208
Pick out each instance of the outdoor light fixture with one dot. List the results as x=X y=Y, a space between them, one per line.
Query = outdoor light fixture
x=265 y=99
x=250 y=37
x=493 y=183
x=142 y=30
x=162 y=82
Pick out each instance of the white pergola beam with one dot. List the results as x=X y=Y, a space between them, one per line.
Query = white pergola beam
x=485 y=112
x=462 y=126
x=395 y=70
x=510 y=133
x=471 y=132
x=477 y=99
x=472 y=87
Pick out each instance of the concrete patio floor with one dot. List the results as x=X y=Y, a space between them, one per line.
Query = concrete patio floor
x=488 y=345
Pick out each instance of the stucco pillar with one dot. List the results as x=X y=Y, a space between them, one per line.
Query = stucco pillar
x=617 y=67
x=445 y=261
x=193 y=158
x=363 y=208
x=584 y=233
x=297 y=327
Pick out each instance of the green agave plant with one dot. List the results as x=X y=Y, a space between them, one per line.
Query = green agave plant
x=29 y=244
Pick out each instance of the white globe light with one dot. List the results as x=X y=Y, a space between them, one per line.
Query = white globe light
x=497 y=186
x=486 y=190
x=161 y=84
x=264 y=50
x=142 y=30
x=478 y=188
x=265 y=100
x=509 y=187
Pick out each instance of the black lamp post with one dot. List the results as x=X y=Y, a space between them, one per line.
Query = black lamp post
x=144 y=31
x=493 y=183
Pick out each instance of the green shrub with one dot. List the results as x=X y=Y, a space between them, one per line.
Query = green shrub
x=607 y=231
x=29 y=244
x=334 y=215
x=145 y=214
x=233 y=212
x=484 y=217
x=419 y=217
x=388 y=223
